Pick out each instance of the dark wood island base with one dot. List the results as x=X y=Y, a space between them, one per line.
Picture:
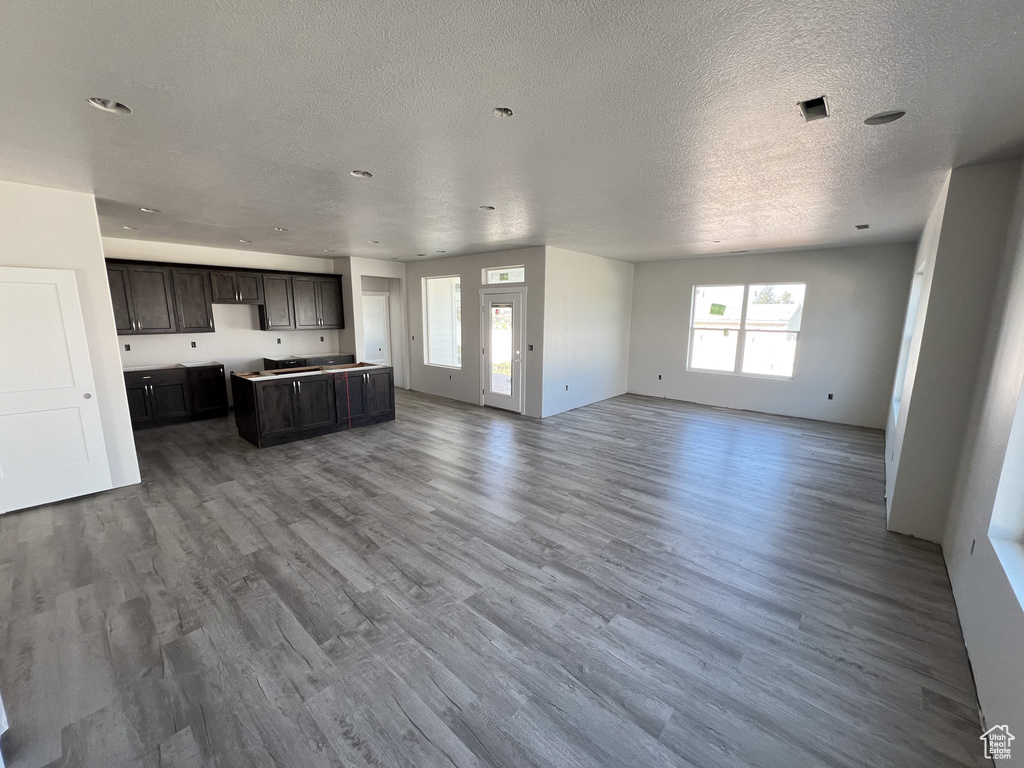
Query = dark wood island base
x=280 y=406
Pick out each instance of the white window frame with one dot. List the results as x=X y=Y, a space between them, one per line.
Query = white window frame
x=426 y=321
x=742 y=332
x=485 y=270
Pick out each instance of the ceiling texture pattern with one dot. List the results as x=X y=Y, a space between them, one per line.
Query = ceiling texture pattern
x=641 y=130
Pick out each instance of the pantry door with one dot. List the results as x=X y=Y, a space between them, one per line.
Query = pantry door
x=51 y=436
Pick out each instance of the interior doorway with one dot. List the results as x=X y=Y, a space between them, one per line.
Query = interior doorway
x=501 y=332
x=376 y=328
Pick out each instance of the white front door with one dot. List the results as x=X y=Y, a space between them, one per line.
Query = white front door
x=376 y=329
x=51 y=437
x=502 y=334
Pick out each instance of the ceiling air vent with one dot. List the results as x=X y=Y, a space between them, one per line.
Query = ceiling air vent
x=814 y=109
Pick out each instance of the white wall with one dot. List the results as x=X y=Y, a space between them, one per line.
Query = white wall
x=960 y=286
x=465 y=383
x=896 y=422
x=237 y=341
x=587 y=313
x=849 y=336
x=990 y=612
x=54 y=229
x=394 y=273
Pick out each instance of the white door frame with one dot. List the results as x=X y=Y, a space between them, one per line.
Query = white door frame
x=387 y=323
x=485 y=327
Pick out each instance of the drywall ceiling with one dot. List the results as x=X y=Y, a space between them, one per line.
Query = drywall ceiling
x=641 y=130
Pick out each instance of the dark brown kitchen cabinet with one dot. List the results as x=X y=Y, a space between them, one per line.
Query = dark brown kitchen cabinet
x=121 y=298
x=278 y=408
x=329 y=302
x=209 y=391
x=317 y=302
x=277 y=312
x=152 y=300
x=237 y=287
x=176 y=393
x=193 y=300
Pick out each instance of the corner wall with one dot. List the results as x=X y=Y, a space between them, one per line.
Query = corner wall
x=849 y=337
x=991 y=613
x=957 y=300
x=587 y=314
x=54 y=229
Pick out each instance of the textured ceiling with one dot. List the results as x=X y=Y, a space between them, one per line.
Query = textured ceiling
x=642 y=130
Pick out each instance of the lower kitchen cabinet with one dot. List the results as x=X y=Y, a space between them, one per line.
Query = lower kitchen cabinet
x=276 y=363
x=293 y=406
x=176 y=393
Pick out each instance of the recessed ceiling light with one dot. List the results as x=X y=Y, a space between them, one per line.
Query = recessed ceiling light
x=150 y=210
x=442 y=251
x=861 y=226
x=129 y=227
x=486 y=207
x=814 y=109
x=280 y=229
x=502 y=112
x=373 y=242
x=109 y=105
x=245 y=241
x=716 y=241
x=885 y=117
x=361 y=174
x=421 y=254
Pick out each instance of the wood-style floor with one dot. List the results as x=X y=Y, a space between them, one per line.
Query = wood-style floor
x=635 y=583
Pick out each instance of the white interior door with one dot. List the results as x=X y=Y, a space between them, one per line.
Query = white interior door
x=376 y=328
x=502 y=335
x=51 y=437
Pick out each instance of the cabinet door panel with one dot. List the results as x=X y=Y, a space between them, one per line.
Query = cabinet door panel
x=276 y=406
x=151 y=299
x=250 y=287
x=330 y=303
x=277 y=313
x=209 y=392
x=193 y=300
x=224 y=288
x=316 y=402
x=306 y=313
x=138 y=404
x=350 y=389
x=379 y=393
x=121 y=298
x=171 y=400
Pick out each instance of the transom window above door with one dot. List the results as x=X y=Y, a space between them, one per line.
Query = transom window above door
x=498 y=275
x=746 y=329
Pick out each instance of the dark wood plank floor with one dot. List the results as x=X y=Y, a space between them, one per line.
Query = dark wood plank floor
x=636 y=583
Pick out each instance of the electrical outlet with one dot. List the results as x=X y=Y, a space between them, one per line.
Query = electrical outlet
x=973 y=542
x=829 y=395
x=530 y=347
x=278 y=341
x=414 y=338
x=659 y=377
x=566 y=387
x=127 y=347
x=193 y=345
x=449 y=377
x=321 y=338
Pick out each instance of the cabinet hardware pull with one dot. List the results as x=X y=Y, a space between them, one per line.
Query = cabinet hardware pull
x=211 y=322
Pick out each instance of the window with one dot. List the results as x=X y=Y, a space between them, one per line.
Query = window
x=908 y=338
x=504 y=275
x=442 y=311
x=750 y=329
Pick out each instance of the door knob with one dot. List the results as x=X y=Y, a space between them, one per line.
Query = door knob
x=87 y=396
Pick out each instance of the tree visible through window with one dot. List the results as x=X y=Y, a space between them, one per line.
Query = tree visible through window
x=766 y=318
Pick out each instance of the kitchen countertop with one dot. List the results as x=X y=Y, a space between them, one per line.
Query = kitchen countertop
x=133 y=368
x=292 y=373
x=305 y=357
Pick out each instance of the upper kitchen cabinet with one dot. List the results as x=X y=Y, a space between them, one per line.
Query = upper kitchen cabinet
x=277 y=312
x=193 y=300
x=142 y=299
x=237 y=287
x=317 y=302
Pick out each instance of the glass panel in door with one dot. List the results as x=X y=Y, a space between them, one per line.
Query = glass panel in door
x=501 y=349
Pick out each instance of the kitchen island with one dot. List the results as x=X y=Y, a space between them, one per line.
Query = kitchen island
x=280 y=406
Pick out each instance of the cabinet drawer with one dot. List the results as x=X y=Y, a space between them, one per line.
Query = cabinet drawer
x=155 y=376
